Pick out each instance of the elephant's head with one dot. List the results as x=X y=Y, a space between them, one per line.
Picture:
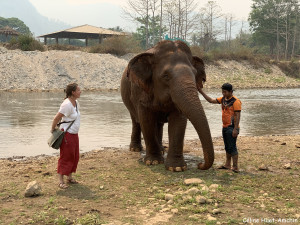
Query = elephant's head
x=170 y=76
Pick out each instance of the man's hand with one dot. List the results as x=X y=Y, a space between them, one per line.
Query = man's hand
x=235 y=133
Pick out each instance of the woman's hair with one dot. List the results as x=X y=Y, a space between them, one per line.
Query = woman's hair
x=70 y=87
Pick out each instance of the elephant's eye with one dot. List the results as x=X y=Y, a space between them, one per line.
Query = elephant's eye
x=166 y=76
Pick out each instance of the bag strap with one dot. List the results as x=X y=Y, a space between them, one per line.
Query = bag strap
x=70 y=121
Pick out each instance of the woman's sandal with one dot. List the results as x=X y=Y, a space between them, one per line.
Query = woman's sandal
x=72 y=181
x=62 y=186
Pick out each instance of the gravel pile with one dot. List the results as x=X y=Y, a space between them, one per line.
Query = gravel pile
x=52 y=70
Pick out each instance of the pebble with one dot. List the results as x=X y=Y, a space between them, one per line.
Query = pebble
x=263 y=167
x=287 y=166
x=210 y=218
x=192 y=191
x=200 y=199
x=216 y=211
x=193 y=181
x=169 y=197
x=174 y=211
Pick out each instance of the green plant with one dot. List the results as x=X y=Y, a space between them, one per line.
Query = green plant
x=25 y=43
x=90 y=218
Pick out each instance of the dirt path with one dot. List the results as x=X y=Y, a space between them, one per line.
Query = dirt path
x=117 y=188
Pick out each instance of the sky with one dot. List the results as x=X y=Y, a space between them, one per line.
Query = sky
x=108 y=13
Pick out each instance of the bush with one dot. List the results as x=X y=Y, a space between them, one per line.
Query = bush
x=118 y=45
x=238 y=54
x=291 y=68
x=25 y=43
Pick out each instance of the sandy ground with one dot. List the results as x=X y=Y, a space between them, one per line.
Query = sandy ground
x=117 y=188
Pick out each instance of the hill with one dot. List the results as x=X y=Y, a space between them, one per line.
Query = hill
x=25 y=11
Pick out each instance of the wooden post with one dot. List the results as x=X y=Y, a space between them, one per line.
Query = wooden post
x=86 y=42
x=56 y=40
x=45 y=40
x=100 y=38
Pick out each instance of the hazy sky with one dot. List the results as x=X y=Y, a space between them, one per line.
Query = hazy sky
x=108 y=13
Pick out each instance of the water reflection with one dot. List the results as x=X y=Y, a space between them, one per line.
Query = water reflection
x=25 y=118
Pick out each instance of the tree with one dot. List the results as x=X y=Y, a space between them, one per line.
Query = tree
x=15 y=24
x=154 y=31
x=209 y=18
x=139 y=9
x=275 y=22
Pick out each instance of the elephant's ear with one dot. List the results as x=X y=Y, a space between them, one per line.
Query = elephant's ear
x=140 y=70
x=201 y=75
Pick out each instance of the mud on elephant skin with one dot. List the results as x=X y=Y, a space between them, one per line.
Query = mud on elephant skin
x=159 y=86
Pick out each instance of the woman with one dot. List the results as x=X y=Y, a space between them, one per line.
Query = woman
x=69 y=149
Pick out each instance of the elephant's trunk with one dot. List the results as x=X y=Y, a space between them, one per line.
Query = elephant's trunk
x=185 y=95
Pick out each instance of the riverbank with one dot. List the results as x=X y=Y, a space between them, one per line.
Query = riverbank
x=117 y=188
x=52 y=70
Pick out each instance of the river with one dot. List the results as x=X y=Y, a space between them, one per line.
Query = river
x=25 y=119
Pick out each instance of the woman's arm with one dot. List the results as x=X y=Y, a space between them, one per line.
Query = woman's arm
x=56 y=120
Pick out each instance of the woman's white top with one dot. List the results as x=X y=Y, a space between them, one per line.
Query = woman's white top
x=70 y=114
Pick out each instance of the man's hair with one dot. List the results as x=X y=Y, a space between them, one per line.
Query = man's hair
x=227 y=87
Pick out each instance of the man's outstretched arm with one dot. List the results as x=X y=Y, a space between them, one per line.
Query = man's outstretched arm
x=209 y=99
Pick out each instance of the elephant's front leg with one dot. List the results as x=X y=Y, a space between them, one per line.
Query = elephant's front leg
x=149 y=126
x=177 y=126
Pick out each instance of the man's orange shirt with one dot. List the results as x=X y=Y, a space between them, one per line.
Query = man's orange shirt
x=228 y=108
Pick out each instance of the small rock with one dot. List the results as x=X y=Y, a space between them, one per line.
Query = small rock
x=209 y=201
x=297 y=146
x=205 y=188
x=192 y=181
x=200 y=199
x=33 y=189
x=216 y=211
x=213 y=186
x=170 y=202
x=263 y=167
x=283 y=143
x=210 y=218
x=192 y=191
x=169 y=197
x=174 y=211
x=297 y=216
x=287 y=166
x=101 y=187
x=265 y=194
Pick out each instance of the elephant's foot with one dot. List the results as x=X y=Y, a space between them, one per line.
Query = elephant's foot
x=153 y=160
x=135 y=147
x=176 y=165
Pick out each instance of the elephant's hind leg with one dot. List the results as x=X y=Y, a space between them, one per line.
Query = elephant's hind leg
x=135 y=144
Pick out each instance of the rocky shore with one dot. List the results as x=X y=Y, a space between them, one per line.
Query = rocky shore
x=52 y=70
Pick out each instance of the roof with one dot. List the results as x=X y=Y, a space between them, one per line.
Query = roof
x=9 y=31
x=82 y=32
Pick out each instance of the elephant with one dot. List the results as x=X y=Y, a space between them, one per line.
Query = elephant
x=161 y=86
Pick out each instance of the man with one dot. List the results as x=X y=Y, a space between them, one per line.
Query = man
x=231 y=114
